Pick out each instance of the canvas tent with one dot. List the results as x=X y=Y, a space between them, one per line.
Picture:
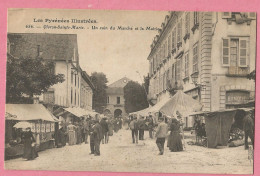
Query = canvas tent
x=25 y=112
x=182 y=103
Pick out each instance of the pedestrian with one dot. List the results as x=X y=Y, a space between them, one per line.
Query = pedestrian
x=71 y=133
x=175 y=143
x=110 y=127
x=61 y=142
x=104 y=126
x=29 y=151
x=86 y=127
x=161 y=134
x=134 y=129
x=141 y=127
x=150 y=126
x=96 y=138
x=116 y=125
x=248 y=128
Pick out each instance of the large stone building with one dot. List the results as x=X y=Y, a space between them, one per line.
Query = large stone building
x=115 y=98
x=77 y=89
x=206 y=54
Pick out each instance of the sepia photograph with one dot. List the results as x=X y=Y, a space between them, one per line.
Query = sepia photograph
x=130 y=91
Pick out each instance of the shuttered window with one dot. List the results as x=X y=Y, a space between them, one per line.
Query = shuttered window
x=225 y=52
x=195 y=58
x=226 y=14
x=186 y=70
x=179 y=35
x=169 y=45
x=243 y=52
x=241 y=58
x=187 y=23
x=174 y=38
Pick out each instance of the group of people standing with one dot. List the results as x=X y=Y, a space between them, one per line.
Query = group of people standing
x=139 y=126
x=174 y=140
x=97 y=132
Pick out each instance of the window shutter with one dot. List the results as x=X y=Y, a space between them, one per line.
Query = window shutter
x=226 y=14
x=225 y=52
x=252 y=15
x=243 y=52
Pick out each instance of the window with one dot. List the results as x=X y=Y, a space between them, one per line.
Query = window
x=173 y=71
x=71 y=96
x=187 y=23
x=235 y=51
x=78 y=81
x=178 y=70
x=75 y=98
x=195 y=58
x=71 y=76
x=196 y=18
x=174 y=38
x=75 y=80
x=169 y=45
x=186 y=69
x=179 y=35
x=118 y=100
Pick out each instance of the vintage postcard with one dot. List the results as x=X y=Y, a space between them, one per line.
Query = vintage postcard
x=130 y=91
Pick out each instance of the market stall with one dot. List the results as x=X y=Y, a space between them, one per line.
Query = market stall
x=42 y=125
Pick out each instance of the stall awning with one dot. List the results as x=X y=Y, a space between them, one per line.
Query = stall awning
x=182 y=103
x=30 y=112
x=159 y=105
x=79 y=112
x=143 y=112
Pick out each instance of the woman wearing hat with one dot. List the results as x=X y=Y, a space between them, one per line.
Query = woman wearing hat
x=175 y=143
x=30 y=152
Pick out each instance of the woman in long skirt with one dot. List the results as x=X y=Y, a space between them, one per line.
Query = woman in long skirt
x=175 y=143
x=30 y=152
x=71 y=134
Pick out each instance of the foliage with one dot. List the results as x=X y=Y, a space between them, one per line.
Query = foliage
x=146 y=83
x=135 y=97
x=26 y=77
x=251 y=75
x=99 y=96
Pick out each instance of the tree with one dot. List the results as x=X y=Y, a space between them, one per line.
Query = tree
x=99 y=96
x=135 y=97
x=146 y=83
x=26 y=77
x=251 y=75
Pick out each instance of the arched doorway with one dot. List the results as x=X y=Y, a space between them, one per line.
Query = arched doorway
x=107 y=112
x=118 y=112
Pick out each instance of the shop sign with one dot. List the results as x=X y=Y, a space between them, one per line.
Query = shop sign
x=237 y=97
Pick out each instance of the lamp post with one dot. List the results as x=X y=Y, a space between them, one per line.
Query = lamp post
x=194 y=78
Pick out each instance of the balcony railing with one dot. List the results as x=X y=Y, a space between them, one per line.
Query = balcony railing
x=238 y=71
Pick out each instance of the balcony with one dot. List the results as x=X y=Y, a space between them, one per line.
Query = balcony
x=238 y=71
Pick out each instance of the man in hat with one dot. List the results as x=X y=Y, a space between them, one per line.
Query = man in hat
x=104 y=126
x=95 y=138
x=134 y=128
x=249 y=128
x=161 y=134
x=141 y=127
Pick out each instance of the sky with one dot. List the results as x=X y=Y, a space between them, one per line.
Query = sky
x=117 y=53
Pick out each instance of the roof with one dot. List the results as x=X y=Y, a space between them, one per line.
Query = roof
x=120 y=83
x=115 y=90
x=29 y=112
x=86 y=77
x=52 y=46
x=79 y=112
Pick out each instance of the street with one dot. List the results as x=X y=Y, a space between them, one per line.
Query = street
x=120 y=155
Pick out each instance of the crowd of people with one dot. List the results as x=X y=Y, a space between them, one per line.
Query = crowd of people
x=88 y=130
x=161 y=130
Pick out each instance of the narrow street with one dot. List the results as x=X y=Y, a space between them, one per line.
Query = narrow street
x=121 y=155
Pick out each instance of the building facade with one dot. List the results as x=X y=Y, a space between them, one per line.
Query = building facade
x=115 y=98
x=206 y=54
x=77 y=89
